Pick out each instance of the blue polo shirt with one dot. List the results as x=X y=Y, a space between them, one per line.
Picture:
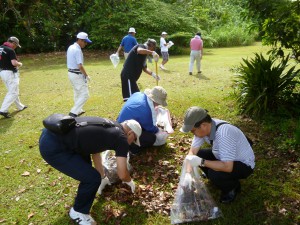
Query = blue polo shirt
x=128 y=42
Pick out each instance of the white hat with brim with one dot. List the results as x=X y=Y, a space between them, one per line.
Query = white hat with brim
x=163 y=33
x=158 y=95
x=84 y=36
x=131 y=30
x=136 y=128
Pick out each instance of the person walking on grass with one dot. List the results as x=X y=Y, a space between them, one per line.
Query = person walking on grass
x=196 y=45
x=128 y=42
x=71 y=154
x=164 y=50
x=77 y=73
x=230 y=157
x=134 y=65
x=9 y=73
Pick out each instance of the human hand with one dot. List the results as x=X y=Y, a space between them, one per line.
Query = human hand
x=117 y=54
x=187 y=180
x=105 y=181
x=88 y=78
x=20 y=64
x=155 y=76
x=131 y=185
x=155 y=56
x=195 y=160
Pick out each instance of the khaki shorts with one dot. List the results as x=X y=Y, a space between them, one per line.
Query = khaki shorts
x=165 y=55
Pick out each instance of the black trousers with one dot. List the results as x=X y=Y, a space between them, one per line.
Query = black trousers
x=147 y=140
x=128 y=88
x=224 y=180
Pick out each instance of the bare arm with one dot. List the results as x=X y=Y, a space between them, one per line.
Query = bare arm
x=143 y=51
x=82 y=70
x=122 y=170
x=146 y=70
x=119 y=49
x=16 y=63
x=98 y=163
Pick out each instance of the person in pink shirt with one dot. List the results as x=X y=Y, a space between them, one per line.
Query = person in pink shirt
x=196 y=45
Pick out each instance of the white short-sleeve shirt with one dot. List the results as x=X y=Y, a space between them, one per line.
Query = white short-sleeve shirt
x=74 y=56
x=163 y=48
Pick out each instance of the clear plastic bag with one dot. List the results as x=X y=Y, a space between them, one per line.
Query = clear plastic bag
x=115 y=59
x=163 y=119
x=193 y=201
x=109 y=162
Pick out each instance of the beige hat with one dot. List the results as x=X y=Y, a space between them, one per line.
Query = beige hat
x=193 y=115
x=131 y=30
x=15 y=40
x=157 y=94
x=136 y=128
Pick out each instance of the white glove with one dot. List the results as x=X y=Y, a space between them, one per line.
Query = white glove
x=105 y=181
x=88 y=78
x=20 y=64
x=187 y=181
x=195 y=160
x=155 y=56
x=131 y=185
x=155 y=76
x=117 y=54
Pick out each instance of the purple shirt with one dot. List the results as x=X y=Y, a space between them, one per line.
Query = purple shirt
x=196 y=43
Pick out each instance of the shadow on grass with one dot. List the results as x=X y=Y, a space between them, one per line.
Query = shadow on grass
x=5 y=123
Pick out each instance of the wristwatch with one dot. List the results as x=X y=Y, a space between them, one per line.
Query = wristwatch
x=202 y=163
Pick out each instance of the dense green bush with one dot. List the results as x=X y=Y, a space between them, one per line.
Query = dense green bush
x=264 y=86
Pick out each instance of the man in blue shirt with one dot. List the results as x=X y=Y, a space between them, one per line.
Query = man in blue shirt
x=141 y=107
x=128 y=42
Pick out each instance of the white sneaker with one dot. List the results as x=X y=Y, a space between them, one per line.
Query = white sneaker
x=81 y=219
x=162 y=67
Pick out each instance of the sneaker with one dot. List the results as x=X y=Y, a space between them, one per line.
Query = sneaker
x=199 y=72
x=5 y=114
x=191 y=73
x=80 y=218
x=25 y=107
x=72 y=114
x=162 y=67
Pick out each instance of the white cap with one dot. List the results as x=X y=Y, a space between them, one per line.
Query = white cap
x=84 y=37
x=131 y=30
x=163 y=33
x=136 y=128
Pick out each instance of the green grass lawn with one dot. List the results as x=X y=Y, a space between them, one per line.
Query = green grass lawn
x=32 y=192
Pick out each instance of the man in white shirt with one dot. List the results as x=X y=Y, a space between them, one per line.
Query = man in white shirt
x=164 y=50
x=230 y=157
x=77 y=73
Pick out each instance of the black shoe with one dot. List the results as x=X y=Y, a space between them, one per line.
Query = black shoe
x=191 y=73
x=5 y=114
x=230 y=196
x=72 y=114
x=199 y=72
x=25 y=107
x=82 y=112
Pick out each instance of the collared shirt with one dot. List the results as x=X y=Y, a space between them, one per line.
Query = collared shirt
x=229 y=144
x=128 y=42
x=196 y=43
x=74 y=56
x=163 y=48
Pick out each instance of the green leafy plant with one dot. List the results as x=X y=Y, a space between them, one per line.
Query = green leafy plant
x=262 y=85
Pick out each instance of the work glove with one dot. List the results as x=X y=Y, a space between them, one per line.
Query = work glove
x=20 y=64
x=155 y=56
x=131 y=185
x=195 y=160
x=187 y=180
x=105 y=181
x=155 y=76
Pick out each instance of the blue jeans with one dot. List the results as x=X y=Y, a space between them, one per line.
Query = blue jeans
x=74 y=165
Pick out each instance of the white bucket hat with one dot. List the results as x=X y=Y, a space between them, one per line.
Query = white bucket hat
x=157 y=94
x=136 y=128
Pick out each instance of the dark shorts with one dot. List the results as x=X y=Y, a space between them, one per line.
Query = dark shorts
x=165 y=55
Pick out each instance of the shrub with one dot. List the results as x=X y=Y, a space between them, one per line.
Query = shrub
x=262 y=85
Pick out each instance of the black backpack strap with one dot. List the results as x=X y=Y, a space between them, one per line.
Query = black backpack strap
x=211 y=141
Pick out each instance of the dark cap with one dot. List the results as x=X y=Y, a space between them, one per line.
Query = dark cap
x=193 y=115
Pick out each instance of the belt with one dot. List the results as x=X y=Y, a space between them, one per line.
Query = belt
x=74 y=71
x=14 y=71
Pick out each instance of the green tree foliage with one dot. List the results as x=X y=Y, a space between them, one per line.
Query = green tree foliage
x=263 y=86
x=278 y=22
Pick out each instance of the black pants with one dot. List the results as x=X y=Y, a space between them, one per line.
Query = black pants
x=147 y=140
x=128 y=88
x=224 y=180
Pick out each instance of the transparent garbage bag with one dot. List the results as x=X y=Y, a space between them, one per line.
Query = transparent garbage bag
x=192 y=201
x=109 y=162
x=163 y=119
x=115 y=59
